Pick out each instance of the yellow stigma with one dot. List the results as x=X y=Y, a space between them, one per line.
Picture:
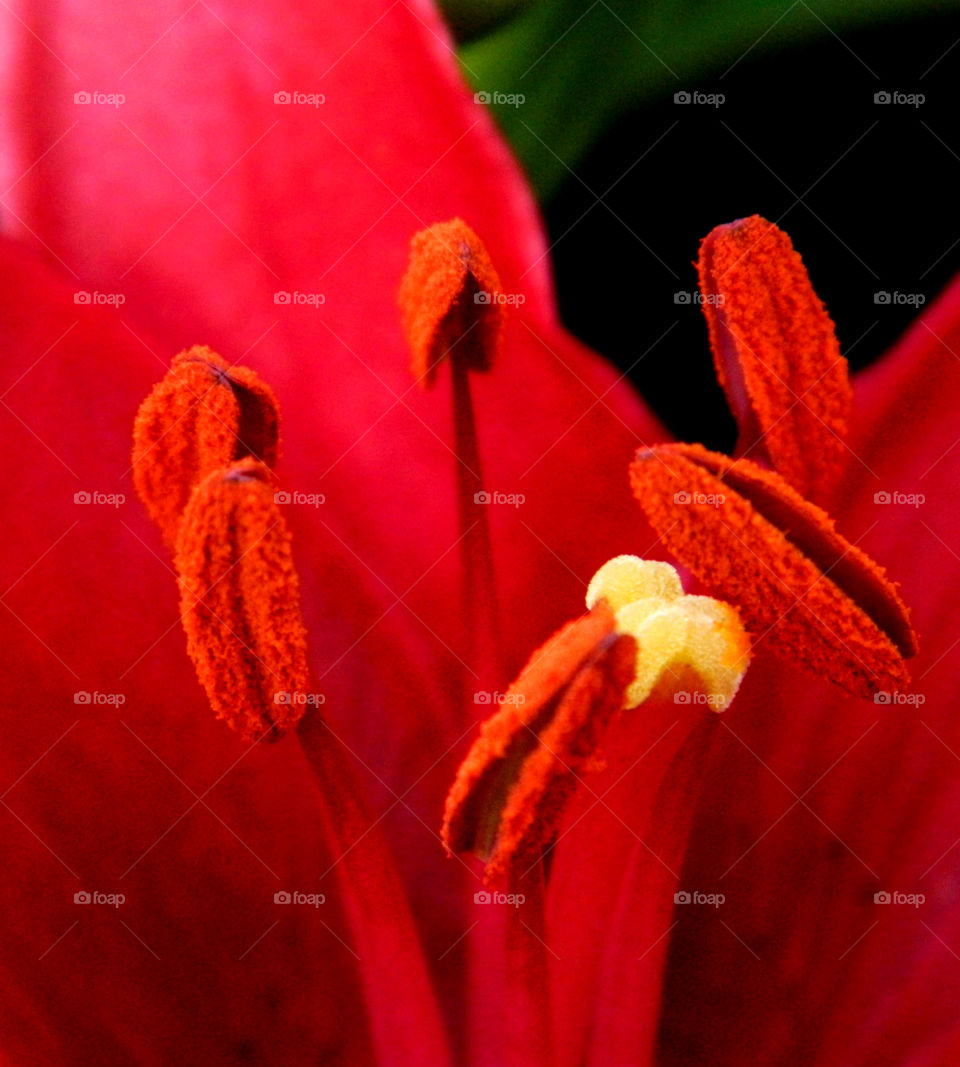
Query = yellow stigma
x=693 y=648
x=624 y=579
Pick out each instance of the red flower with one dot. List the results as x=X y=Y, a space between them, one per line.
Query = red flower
x=202 y=203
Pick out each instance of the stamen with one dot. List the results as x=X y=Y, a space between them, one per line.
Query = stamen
x=776 y=353
x=449 y=299
x=240 y=601
x=204 y=415
x=245 y=634
x=404 y=1017
x=818 y=600
x=451 y=311
x=529 y=1017
x=521 y=770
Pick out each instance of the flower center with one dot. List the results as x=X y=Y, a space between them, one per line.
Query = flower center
x=642 y=640
x=693 y=645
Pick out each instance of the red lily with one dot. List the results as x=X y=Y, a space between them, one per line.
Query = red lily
x=307 y=200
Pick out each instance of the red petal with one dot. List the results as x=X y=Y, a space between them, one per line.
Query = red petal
x=304 y=199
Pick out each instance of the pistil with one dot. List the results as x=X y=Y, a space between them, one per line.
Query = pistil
x=641 y=642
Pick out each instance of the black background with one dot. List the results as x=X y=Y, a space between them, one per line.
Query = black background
x=877 y=209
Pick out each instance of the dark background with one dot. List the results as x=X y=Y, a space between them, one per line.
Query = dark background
x=877 y=208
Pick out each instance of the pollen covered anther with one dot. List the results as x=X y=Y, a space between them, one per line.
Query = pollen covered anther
x=240 y=605
x=452 y=312
x=800 y=586
x=202 y=416
x=450 y=302
x=776 y=353
x=523 y=767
